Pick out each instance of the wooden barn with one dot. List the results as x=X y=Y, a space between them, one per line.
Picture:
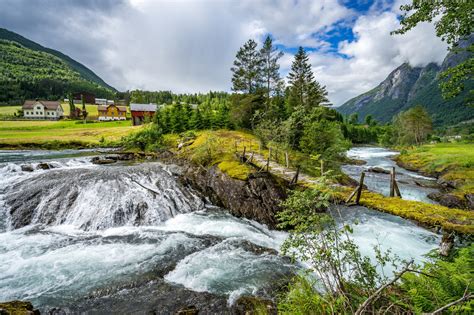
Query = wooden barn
x=112 y=112
x=142 y=112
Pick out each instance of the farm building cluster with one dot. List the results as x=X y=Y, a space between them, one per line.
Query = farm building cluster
x=108 y=110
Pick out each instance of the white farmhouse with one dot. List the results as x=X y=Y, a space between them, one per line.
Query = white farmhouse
x=42 y=110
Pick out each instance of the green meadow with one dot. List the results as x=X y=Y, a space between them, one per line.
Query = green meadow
x=61 y=134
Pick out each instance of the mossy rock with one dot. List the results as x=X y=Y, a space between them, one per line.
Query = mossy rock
x=17 y=308
x=235 y=169
x=252 y=305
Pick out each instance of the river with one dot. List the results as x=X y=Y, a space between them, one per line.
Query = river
x=131 y=237
x=412 y=186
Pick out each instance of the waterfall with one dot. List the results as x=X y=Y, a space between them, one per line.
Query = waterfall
x=95 y=198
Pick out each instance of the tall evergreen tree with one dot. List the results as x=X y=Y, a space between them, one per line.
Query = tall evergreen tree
x=247 y=68
x=304 y=90
x=270 y=67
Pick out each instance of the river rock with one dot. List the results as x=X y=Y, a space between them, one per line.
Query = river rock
x=377 y=169
x=44 y=166
x=426 y=183
x=18 y=308
x=447 y=200
x=101 y=160
x=27 y=168
x=257 y=198
x=246 y=305
x=189 y=310
x=450 y=184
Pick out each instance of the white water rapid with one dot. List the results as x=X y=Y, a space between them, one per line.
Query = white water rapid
x=119 y=237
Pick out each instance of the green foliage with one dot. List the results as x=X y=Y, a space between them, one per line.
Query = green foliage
x=344 y=276
x=447 y=281
x=147 y=138
x=30 y=74
x=412 y=126
x=85 y=72
x=304 y=90
x=324 y=138
x=247 y=69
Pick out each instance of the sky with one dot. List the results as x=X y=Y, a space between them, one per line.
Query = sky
x=189 y=46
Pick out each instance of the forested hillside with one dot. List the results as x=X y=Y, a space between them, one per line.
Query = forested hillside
x=409 y=86
x=34 y=73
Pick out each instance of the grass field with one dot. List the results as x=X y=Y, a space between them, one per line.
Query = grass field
x=40 y=133
x=451 y=161
x=8 y=110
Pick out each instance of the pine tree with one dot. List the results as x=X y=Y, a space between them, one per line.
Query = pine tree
x=270 y=68
x=304 y=90
x=196 y=120
x=247 y=69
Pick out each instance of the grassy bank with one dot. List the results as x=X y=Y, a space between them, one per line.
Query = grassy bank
x=452 y=162
x=217 y=148
x=61 y=134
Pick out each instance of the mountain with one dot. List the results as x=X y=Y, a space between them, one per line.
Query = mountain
x=408 y=86
x=29 y=70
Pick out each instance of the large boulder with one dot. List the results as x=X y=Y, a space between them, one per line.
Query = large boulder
x=257 y=198
x=448 y=200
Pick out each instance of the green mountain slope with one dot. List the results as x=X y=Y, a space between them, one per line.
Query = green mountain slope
x=85 y=72
x=408 y=86
x=27 y=73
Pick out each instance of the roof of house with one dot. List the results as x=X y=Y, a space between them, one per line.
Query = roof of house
x=103 y=108
x=143 y=107
x=29 y=104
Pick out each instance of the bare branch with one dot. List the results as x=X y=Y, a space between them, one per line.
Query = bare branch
x=466 y=297
x=379 y=291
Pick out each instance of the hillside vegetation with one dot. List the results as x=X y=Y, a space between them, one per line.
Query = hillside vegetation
x=84 y=72
x=27 y=73
x=407 y=86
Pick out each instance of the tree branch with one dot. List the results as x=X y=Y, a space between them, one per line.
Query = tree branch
x=377 y=293
x=466 y=297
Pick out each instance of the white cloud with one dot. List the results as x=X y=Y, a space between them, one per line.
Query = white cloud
x=189 y=46
x=374 y=54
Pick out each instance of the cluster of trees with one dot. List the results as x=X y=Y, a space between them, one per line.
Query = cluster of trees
x=295 y=115
x=27 y=74
x=213 y=113
x=168 y=97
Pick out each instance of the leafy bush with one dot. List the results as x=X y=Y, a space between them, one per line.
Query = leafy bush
x=148 y=138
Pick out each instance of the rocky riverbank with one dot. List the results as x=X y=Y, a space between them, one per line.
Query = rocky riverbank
x=447 y=196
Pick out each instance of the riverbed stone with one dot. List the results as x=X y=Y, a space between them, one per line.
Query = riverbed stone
x=44 y=166
x=377 y=169
x=101 y=160
x=27 y=168
x=447 y=200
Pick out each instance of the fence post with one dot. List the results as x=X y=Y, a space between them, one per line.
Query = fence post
x=392 y=182
x=287 y=160
x=322 y=167
x=361 y=184
x=268 y=159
